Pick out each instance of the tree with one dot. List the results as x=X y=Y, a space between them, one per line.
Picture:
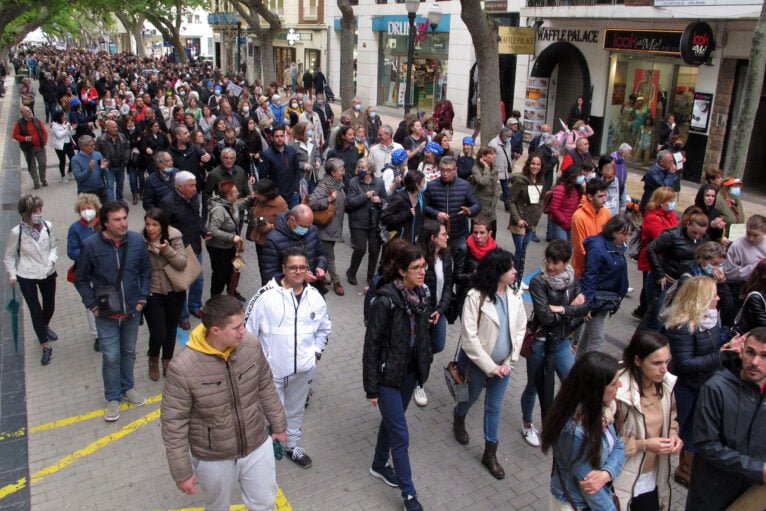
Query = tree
x=748 y=103
x=16 y=24
x=133 y=21
x=347 y=26
x=167 y=17
x=252 y=11
x=484 y=34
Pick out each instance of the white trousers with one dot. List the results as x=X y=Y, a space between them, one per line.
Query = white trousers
x=256 y=475
x=293 y=391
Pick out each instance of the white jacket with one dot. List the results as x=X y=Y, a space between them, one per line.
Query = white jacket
x=60 y=134
x=291 y=332
x=478 y=341
x=501 y=162
x=38 y=258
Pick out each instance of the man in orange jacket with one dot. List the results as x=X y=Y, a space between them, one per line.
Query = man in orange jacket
x=589 y=219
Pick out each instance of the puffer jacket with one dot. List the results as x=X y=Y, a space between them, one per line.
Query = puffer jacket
x=521 y=207
x=480 y=334
x=362 y=213
x=216 y=405
x=605 y=268
x=655 y=221
x=319 y=200
x=632 y=426
x=486 y=187
x=156 y=188
x=729 y=421
x=397 y=216
x=291 y=331
x=554 y=325
x=223 y=222
x=696 y=356
x=449 y=197
x=174 y=255
x=281 y=238
x=563 y=205
x=671 y=253
x=387 y=354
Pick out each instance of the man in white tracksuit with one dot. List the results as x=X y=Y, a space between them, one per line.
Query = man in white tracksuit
x=290 y=319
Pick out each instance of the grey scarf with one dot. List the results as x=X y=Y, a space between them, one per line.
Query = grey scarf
x=561 y=281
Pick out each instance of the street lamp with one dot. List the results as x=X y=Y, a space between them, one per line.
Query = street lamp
x=434 y=17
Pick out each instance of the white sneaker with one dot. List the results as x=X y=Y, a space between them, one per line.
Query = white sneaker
x=531 y=435
x=420 y=396
x=524 y=286
x=630 y=290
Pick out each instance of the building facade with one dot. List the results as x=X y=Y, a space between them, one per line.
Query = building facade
x=629 y=63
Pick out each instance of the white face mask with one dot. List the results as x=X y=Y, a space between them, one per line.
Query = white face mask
x=88 y=214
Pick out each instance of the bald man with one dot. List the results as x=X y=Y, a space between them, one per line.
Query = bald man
x=115 y=147
x=30 y=133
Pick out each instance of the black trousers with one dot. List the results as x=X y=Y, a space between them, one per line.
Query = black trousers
x=649 y=501
x=41 y=313
x=362 y=241
x=220 y=264
x=68 y=151
x=162 y=313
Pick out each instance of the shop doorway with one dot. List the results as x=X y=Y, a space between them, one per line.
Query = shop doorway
x=282 y=59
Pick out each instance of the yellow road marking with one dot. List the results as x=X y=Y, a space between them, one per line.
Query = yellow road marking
x=280 y=504
x=13 y=434
x=12 y=488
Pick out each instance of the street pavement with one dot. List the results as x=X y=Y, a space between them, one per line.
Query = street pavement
x=79 y=462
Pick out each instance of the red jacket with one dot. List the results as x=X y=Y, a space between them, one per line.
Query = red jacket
x=655 y=221
x=31 y=132
x=563 y=205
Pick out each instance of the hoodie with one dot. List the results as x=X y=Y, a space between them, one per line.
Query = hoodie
x=586 y=221
x=198 y=342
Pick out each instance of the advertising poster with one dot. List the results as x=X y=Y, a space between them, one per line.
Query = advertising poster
x=646 y=83
x=703 y=104
x=620 y=83
x=535 y=106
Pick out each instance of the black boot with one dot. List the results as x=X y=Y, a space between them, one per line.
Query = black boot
x=458 y=427
x=489 y=460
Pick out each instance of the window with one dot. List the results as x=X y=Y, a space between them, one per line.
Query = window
x=190 y=19
x=196 y=18
x=277 y=6
x=311 y=8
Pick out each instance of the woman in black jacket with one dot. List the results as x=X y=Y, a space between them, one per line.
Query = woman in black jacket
x=364 y=202
x=705 y=200
x=397 y=355
x=693 y=329
x=404 y=214
x=753 y=296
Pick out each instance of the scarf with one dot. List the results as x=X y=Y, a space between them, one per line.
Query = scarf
x=477 y=251
x=416 y=300
x=32 y=231
x=561 y=281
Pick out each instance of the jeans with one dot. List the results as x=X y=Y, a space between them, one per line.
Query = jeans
x=222 y=269
x=438 y=333
x=50 y=107
x=493 y=400
x=563 y=359
x=655 y=296
x=194 y=294
x=393 y=435
x=161 y=314
x=686 y=402
x=559 y=233
x=118 y=354
x=136 y=178
x=520 y=241
x=505 y=189
x=549 y=229
x=41 y=314
x=361 y=240
x=593 y=334
x=115 y=182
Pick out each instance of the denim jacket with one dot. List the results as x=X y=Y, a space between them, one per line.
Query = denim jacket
x=568 y=453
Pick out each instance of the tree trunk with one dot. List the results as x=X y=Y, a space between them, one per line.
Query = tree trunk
x=138 y=35
x=484 y=35
x=748 y=103
x=347 y=25
x=268 y=69
x=179 y=47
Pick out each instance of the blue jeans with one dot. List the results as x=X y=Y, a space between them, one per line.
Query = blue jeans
x=136 y=178
x=115 y=182
x=505 y=189
x=193 y=300
x=686 y=402
x=438 y=333
x=563 y=359
x=393 y=435
x=653 y=291
x=520 y=241
x=118 y=354
x=493 y=400
x=559 y=233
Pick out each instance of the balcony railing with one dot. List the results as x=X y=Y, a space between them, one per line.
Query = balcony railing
x=575 y=3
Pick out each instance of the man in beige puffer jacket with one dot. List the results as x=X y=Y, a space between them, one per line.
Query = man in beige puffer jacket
x=217 y=392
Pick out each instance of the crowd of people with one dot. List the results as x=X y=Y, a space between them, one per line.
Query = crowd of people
x=217 y=162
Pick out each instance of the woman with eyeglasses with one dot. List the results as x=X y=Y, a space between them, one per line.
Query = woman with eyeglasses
x=494 y=323
x=397 y=355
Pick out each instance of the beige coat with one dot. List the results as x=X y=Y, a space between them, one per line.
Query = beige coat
x=632 y=428
x=174 y=255
x=478 y=341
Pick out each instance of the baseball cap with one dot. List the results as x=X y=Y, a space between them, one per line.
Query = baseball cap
x=469 y=141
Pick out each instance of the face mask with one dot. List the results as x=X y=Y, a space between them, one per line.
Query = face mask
x=131 y=129
x=361 y=173
x=37 y=219
x=88 y=214
x=294 y=105
x=589 y=176
x=245 y=109
x=357 y=107
x=425 y=187
x=168 y=170
x=217 y=93
x=359 y=139
x=310 y=134
x=320 y=101
x=582 y=129
x=708 y=269
x=580 y=180
x=373 y=114
x=672 y=206
x=735 y=191
x=182 y=93
x=275 y=103
x=300 y=230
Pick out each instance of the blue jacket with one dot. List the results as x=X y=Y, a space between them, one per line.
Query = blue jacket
x=281 y=238
x=657 y=177
x=449 y=197
x=279 y=113
x=88 y=180
x=156 y=189
x=282 y=169
x=605 y=267
x=77 y=234
x=99 y=263
x=568 y=454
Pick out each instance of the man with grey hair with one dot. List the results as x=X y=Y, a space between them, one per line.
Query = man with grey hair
x=116 y=150
x=503 y=146
x=311 y=117
x=30 y=133
x=622 y=155
x=183 y=210
x=380 y=153
x=228 y=170
x=535 y=143
x=160 y=183
x=88 y=167
x=662 y=173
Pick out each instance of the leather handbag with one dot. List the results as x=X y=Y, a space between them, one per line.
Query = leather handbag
x=457 y=384
x=109 y=297
x=529 y=341
x=181 y=280
x=323 y=217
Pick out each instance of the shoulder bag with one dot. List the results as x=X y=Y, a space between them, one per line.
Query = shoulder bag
x=109 y=297
x=323 y=217
x=181 y=280
x=456 y=383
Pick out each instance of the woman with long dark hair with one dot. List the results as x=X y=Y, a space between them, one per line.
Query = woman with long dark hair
x=526 y=207
x=494 y=323
x=588 y=453
x=564 y=201
x=61 y=139
x=163 y=308
x=405 y=212
x=397 y=355
x=647 y=423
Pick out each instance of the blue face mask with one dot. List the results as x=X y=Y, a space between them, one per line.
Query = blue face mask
x=373 y=114
x=580 y=180
x=672 y=206
x=300 y=230
x=708 y=269
x=310 y=134
x=735 y=191
x=361 y=173
x=359 y=139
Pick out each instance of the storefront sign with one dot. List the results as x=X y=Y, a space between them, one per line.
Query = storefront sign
x=649 y=41
x=400 y=25
x=567 y=35
x=698 y=3
x=516 y=41
x=697 y=43
x=703 y=104
x=496 y=5
x=292 y=36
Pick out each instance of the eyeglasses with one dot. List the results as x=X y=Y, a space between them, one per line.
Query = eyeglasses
x=418 y=268
x=297 y=269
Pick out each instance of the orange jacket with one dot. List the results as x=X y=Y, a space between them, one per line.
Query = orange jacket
x=586 y=221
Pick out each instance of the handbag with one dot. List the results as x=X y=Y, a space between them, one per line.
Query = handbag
x=606 y=301
x=456 y=383
x=529 y=341
x=109 y=298
x=70 y=273
x=181 y=280
x=324 y=217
